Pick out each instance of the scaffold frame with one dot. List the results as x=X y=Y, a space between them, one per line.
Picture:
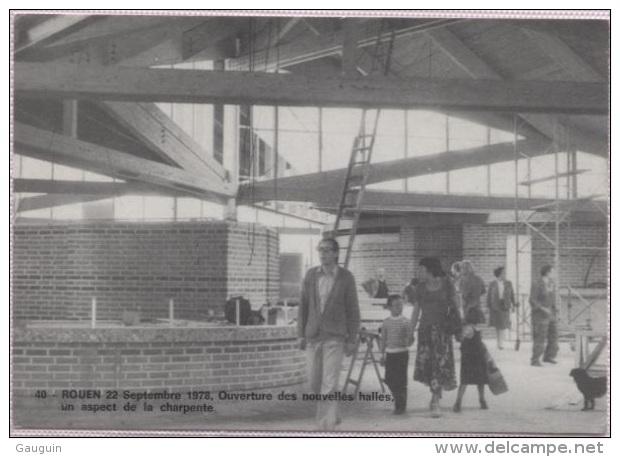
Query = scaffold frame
x=560 y=211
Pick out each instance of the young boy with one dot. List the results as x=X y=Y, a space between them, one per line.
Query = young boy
x=396 y=336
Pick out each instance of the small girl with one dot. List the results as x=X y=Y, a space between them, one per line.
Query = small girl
x=473 y=358
x=396 y=336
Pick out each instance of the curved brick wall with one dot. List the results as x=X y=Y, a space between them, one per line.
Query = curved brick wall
x=58 y=266
x=210 y=358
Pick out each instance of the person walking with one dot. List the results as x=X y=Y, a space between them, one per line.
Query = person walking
x=472 y=289
x=434 y=364
x=500 y=301
x=473 y=361
x=544 y=318
x=393 y=345
x=328 y=326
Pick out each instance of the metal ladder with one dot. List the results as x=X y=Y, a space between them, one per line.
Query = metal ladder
x=358 y=169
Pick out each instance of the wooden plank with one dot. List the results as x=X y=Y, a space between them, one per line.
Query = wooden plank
x=158 y=131
x=202 y=86
x=46 y=145
x=396 y=169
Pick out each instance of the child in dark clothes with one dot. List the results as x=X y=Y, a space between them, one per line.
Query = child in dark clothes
x=473 y=362
x=396 y=336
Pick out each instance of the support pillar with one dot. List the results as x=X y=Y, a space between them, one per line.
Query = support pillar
x=231 y=155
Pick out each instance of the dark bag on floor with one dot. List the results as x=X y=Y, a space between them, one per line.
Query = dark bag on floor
x=245 y=310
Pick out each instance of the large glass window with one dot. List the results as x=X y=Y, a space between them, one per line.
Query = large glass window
x=310 y=139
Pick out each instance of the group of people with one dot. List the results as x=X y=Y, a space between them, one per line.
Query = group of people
x=329 y=323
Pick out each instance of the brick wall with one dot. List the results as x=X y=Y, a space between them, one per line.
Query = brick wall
x=443 y=242
x=253 y=263
x=400 y=259
x=379 y=251
x=58 y=267
x=485 y=245
x=574 y=263
x=175 y=366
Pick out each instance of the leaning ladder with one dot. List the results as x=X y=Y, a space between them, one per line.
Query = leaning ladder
x=358 y=169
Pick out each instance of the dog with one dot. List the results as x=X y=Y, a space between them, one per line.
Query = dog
x=591 y=388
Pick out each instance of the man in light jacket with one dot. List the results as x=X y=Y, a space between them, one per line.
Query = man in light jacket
x=327 y=326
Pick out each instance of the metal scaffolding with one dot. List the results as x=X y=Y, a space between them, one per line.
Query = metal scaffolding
x=558 y=215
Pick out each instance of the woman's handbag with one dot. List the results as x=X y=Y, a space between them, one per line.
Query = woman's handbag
x=497 y=383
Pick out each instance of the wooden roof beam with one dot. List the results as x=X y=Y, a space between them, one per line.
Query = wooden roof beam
x=109 y=26
x=46 y=145
x=61 y=193
x=570 y=136
x=461 y=55
x=196 y=41
x=478 y=68
x=152 y=41
x=105 y=189
x=317 y=47
x=200 y=86
x=400 y=201
x=53 y=200
x=286 y=28
x=350 y=50
x=390 y=170
x=50 y=29
x=395 y=201
x=151 y=125
x=563 y=55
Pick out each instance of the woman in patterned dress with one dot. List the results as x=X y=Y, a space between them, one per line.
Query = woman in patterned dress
x=434 y=365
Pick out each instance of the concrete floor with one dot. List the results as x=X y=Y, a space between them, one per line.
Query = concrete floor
x=541 y=401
